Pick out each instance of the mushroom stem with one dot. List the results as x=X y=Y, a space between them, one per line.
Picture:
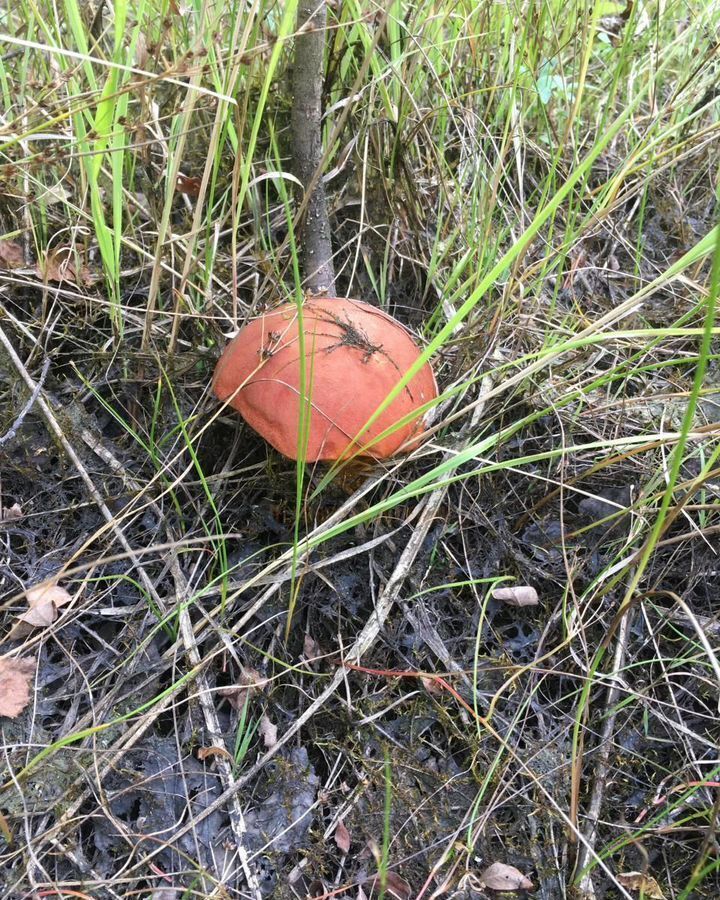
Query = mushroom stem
x=306 y=125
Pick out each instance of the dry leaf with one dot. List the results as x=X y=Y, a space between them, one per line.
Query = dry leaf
x=11 y=255
x=342 y=837
x=296 y=873
x=204 y=752
x=44 y=601
x=8 y=513
x=520 y=595
x=5 y=830
x=15 y=678
x=500 y=877
x=59 y=264
x=268 y=732
x=637 y=881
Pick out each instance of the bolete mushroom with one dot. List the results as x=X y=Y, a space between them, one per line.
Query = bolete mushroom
x=355 y=354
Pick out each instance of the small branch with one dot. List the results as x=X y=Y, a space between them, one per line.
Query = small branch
x=306 y=129
x=15 y=427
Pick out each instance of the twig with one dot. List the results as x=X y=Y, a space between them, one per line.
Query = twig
x=15 y=427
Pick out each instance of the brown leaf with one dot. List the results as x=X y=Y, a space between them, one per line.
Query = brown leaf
x=15 y=678
x=342 y=837
x=8 y=513
x=637 y=881
x=44 y=601
x=520 y=595
x=11 y=255
x=268 y=732
x=59 y=264
x=500 y=877
x=188 y=185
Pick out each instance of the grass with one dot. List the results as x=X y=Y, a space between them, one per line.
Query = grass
x=533 y=188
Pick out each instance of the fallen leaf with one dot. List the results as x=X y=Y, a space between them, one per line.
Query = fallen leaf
x=11 y=255
x=501 y=877
x=237 y=695
x=8 y=513
x=15 y=678
x=637 y=881
x=295 y=874
x=342 y=837
x=59 y=264
x=520 y=595
x=188 y=185
x=44 y=601
x=268 y=732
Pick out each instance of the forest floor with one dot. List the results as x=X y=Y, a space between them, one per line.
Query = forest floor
x=165 y=732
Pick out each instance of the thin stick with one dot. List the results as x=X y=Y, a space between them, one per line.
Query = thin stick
x=15 y=427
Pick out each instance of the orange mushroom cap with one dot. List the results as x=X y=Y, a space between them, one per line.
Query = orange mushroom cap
x=355 y=354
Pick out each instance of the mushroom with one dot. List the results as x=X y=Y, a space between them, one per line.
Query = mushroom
x=355 y=354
